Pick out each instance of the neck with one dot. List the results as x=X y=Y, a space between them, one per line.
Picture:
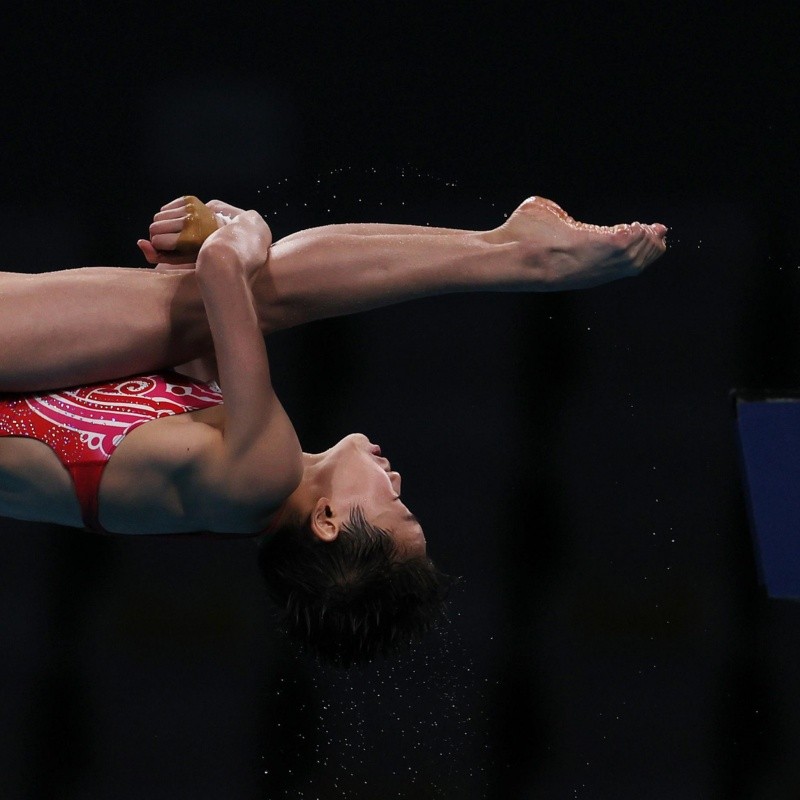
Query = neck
x=302 y=500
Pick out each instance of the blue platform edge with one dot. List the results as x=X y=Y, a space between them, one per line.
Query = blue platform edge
x=769 y=439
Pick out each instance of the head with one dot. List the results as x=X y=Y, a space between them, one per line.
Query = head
x=348 y=564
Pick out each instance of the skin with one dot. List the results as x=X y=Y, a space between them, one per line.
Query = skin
x=354 y=473
x=228 y=468
x=221 y=470
x=95 y=332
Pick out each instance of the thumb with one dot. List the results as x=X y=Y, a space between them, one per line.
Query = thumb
x=149 y=252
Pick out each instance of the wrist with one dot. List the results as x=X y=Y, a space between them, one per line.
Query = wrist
x=217 y=264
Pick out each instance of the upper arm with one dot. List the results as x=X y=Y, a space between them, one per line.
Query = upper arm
x=271 y=467
x=242 y=488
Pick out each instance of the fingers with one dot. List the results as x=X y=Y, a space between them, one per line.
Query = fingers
x=167 y=226
x=157 y=255
x=148 y=251
x=178 y=202
x=165 y=242
x=164 y=232
x=221 y=207
x=223 y=219
x=178 y=210
x=173 y=213
x=199 y=224
x=179 y=228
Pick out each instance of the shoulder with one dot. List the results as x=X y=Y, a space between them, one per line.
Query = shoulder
x=225 y=490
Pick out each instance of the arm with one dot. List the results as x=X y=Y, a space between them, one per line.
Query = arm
x=260 y=456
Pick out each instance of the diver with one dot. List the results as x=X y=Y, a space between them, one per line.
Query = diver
x=141 y=442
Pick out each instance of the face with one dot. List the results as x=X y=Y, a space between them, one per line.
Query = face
x=360 y=475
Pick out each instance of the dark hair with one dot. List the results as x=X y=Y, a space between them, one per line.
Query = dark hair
x=354 y=598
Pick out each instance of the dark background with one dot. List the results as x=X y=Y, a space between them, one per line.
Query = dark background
x=573 y=456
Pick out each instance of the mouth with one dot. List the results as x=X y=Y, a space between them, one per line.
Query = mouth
x=375 y=452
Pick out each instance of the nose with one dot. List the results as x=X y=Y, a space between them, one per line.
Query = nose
x=358 y=440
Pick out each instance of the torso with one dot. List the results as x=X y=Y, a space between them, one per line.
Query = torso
x=151 y=484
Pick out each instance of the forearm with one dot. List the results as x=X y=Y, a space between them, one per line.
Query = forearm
x=239 y=347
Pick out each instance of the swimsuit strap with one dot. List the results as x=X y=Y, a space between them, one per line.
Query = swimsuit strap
x=86 y=477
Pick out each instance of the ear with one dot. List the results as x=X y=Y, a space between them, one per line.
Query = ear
x=324 y=521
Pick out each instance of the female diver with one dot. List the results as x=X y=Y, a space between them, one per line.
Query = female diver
x=342 y=555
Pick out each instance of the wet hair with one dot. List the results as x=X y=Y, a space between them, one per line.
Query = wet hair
x=352 y=599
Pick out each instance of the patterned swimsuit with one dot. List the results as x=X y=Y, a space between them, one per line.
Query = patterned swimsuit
x=85 y=425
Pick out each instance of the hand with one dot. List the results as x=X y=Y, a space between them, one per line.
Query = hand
x=242 y=245
x=180 y=228
x=224 y=210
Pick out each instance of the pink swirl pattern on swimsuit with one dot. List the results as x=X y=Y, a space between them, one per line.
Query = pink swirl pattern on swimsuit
x=88 y=423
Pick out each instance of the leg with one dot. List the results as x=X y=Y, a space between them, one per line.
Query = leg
x=77 y=326
x=82 y=325
x=342 y=269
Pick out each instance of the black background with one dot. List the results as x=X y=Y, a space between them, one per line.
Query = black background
x=573 y=456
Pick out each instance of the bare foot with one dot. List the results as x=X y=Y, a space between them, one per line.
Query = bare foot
x=575 y=255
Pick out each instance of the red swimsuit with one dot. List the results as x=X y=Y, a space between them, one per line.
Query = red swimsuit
x=84 y=426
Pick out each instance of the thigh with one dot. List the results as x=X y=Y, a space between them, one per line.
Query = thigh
x=77 y=326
